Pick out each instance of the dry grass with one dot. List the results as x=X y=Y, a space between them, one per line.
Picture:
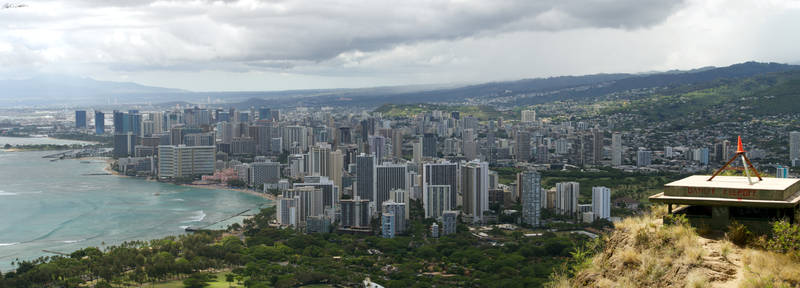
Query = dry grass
x=767 y=269
x=641 y=252
x=697 y=279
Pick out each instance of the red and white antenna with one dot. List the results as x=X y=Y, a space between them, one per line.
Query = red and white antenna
x=746 y=165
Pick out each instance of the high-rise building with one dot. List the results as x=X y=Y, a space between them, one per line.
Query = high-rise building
x=264 y=172
x=309 y=202
x=528 y=116
x=336 y=167
x=643 y=158
x=781 y=172
x=470 y=144
x=377 y=146
x=199 y=139
x=616 y=149
x=402 y=196
x=99 y=123
x=794 y=145
x=475 y=189
x=365 y=175
x=436 y=200
x=125 y=144
x=388 y=225
x=601 y=202
x=597 y=146
x=398 y=210
x=532 y=198
x=286 y=211
x=185 y=161
x=387 y=178
x=330 y=193
x=449 y=222
x=522 y=146
x=80 y=119
x=417 y=151
x=429 y=144
x=319 y=157
x=397 y=143
x=444 y=173
x=567 y=198
x=355 y=213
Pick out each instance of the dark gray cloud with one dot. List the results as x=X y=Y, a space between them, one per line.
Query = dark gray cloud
x=280 y=34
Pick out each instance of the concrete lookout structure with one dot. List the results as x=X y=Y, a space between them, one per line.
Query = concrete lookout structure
x=715 y=203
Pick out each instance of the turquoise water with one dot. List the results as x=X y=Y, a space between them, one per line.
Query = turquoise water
x=30 y=141
x=53 y=206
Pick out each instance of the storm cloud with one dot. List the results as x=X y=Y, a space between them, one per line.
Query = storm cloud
x=402 y=41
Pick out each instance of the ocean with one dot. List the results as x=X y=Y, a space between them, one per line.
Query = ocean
x=57 y=206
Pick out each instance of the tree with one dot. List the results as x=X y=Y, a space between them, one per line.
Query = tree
x=197 y=280
x=237 y=183
x=229 y=278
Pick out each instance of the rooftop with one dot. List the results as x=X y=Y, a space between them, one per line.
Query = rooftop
x=734 y=182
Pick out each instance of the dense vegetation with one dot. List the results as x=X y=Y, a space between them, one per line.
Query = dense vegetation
x=696 y=106
x=264 y=256
x=410 y=110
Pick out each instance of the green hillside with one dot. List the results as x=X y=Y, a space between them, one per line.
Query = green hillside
x=768 y=94
x=409 y=110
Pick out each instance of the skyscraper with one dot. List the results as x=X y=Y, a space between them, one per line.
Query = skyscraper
x=470 y=144
x=616 y=149
x=264 y=172
x=397 y=143
x=597 y=146
x=80 y=119
x=531 y=198
x=567 y=198
x=522 y=146
x=377 y=146
x=444 y=173
x=601 y=202
x=475 y=189
x=124 y=144
x=794 y=145
x=309 y=202
x=355 y=213
x=429 y=144
x=365 y=175
x=388 y=178
x=99 y=123
x=436 y=200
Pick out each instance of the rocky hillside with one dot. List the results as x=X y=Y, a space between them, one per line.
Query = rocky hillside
x=642 y=252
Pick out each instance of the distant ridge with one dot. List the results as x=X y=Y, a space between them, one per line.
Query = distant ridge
x=75 y=91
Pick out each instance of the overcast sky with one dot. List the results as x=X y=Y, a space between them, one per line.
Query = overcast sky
x=290 y=44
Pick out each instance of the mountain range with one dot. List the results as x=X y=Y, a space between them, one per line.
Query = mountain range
x=74 y=91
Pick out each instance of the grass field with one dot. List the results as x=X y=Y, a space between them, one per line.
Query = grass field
x=219 y=283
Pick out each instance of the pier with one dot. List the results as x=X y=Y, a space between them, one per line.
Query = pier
x=191 y=229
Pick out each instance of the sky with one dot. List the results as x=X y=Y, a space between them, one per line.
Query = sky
x=250 y=45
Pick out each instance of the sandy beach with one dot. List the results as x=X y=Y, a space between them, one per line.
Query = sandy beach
x=223 y=187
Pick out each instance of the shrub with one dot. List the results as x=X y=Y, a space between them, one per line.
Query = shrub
x=738 y=234
x=785 y=238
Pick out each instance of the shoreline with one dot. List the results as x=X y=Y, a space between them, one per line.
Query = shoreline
x=221 y=187
x=214 y=186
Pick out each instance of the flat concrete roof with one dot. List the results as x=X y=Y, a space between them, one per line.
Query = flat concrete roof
x=793 y=201
x=735 y=182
